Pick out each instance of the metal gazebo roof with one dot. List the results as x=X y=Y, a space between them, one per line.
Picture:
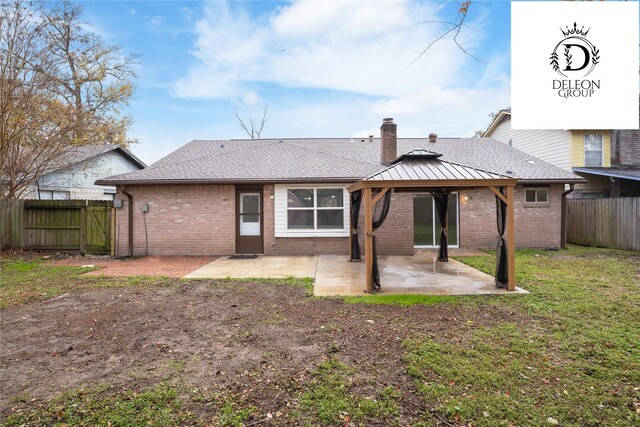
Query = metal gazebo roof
x=424 y=169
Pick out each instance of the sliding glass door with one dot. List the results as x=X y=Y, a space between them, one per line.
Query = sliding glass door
x=426 y=224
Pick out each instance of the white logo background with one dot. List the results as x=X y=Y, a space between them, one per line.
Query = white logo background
x=535 y=31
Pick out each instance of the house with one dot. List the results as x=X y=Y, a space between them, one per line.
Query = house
x=73 y=175
x=608 y=159
x=288 y=196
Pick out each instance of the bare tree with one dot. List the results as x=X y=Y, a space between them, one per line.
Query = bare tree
x=453 y=30
x=253 y=130
x=61 y=88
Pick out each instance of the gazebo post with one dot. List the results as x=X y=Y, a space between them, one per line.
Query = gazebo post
x=368 y=238
x=511 y=239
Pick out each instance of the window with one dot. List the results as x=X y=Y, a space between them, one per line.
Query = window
x=536 y=196
x=315 y=209
x=593 y=150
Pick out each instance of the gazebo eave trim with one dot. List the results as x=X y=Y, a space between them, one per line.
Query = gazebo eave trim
x=433 y=183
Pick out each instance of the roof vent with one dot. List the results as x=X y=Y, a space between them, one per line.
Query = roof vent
x=433 y=137
x=370 y=138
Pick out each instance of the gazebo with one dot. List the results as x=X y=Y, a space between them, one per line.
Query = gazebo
x=423 y=171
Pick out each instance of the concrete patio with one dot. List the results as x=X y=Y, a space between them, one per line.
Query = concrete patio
x=336 y=275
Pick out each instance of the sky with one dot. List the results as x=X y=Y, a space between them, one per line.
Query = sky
x=324 y=68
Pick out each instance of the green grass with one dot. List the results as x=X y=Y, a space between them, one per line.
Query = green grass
x=163 y=405
x=574 y=354
x=329 y=399
x=25 y=281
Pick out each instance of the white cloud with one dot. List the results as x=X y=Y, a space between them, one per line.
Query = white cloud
x=156 y=20
x=359 y=52
x=354 y=46
x=250 y=98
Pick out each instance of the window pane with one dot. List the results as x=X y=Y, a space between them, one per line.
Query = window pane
x=452 y=217
x=297 y=219
x=250 y=203
x=330 y=198
x=330 y=218
x=300 y=198
x=542 y=195
x=423 y=220
x=593 y=158
x=530 y=196
x=593 y=142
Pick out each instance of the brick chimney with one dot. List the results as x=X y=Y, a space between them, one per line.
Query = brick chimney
x=433 y=137
x=388 y=141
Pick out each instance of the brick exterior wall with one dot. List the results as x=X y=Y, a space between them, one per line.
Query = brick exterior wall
x=626 y=147
x=536 y=227
x=182 y=220
x=388 y=141
x=200 y=220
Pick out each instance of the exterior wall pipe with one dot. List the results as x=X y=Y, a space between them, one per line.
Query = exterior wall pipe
x=563 y=218
x=130 y=218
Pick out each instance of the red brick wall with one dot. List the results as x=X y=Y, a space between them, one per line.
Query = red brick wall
x=536 y=227
x=395 y=236
x=182 y=220
x=200 y=220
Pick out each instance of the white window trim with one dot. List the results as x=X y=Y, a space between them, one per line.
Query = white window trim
x=280 y=212
x=584 y=149
x=536 y=203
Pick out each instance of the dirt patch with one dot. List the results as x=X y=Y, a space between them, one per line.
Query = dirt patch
x=257 y=340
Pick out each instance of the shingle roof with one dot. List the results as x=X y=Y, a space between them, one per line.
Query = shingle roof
x=78 y=154
x=327 y=159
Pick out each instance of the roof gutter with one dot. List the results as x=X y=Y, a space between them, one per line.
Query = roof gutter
x=227 y=181
x=304 y=180
x=553 y=181
x=611 y=174
x=130 y=218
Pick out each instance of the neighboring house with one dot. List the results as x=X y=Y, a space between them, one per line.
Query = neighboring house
x=608 y=159
x=288 y=196
x=73 y=176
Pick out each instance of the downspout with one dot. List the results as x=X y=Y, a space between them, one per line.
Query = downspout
x=563 y=218
x=130 y=214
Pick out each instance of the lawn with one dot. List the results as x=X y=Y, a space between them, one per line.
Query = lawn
x=158 y=351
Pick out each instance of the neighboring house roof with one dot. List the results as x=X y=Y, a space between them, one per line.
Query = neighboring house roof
x=326 y=160
x=85 y=152
x=502 y=115
x=632 y=173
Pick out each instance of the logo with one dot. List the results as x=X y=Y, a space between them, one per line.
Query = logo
x=575 y=57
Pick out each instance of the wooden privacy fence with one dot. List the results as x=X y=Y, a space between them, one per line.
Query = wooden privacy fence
x=609 y=223
x=71 y=225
